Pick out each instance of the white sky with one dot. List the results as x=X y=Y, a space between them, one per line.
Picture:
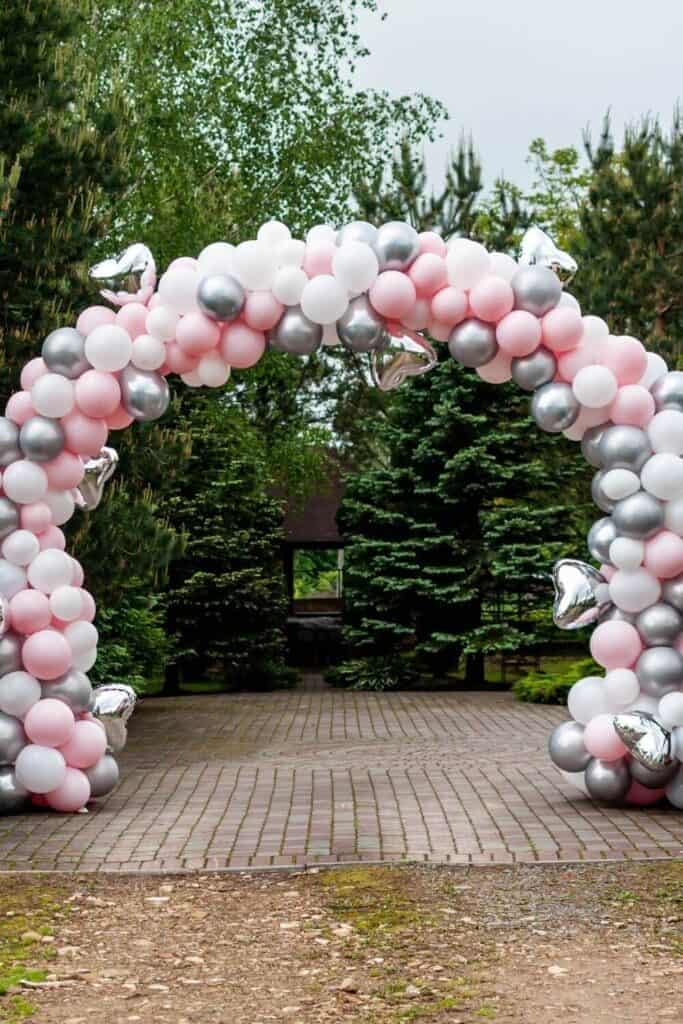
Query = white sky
x=511 y=70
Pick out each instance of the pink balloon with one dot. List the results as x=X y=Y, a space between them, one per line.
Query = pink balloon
x=36 y=517
x=98 y=394
x=85 y=746
x=262 y=310
x=241 y=346
x=607 y=571
x=197 y=334
x=562 y=329
x=393 y=294
x=177 y=360
x=189 y=262
x=132 y=318
x=626 y=358
x=600 y=739
x=32 y=371
x=53 y=537
x=586 y=418
x=439 y=331
x=449 y=306
x=664 y=555
x=491 y=299
x=498 y=370
x=428 y=273
x=633 y=405
x=119 y=419
x=84 y=435
x=615 y=644
x=431 y=242
x=88 y=607
x=587 y=353
x=72 y=794
x=94 y=316
x=78 y=575
x=19 y=408
x=318 y=258
x=640 y=796
x=418 y=317
x=64 y=472
x=155 y=301
x=29 y=611
x=46 y=654
x=50 y=722
x=519 y=333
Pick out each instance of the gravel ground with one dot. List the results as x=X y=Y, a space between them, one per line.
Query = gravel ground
x=384 y=945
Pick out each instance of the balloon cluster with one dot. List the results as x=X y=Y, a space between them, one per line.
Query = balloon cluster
x=382 y=293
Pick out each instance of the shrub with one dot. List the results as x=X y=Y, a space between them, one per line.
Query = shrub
x=389 y=673
x=552 y=687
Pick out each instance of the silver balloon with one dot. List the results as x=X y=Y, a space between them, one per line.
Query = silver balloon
x=600 y=536
x=295 y=334
x=566 y=747
x=97 y=471
x=64 y=352
x=127 y=277
x=652 y=778
x=397 y=245
x=9 y=442
x=607 y=780
x=73 y=689
x=9 y=517
x=538 y=249
x=659 y=671
x=13 y=797
x=536 y=289
x=144 y=393
x=406 y=355
x=674 y=791
x=659 y=625
x=10 y=653
x=638 y=516
x=623 y=447
x=221 y=297
x=672 y=592
x=645 y=738
x=12 y=738
x=473 y=343
x=4 y=615
x=41 y=439
x=599 y=497
x=667 y=391
x=103 y=776
x=113 y=704
x=590 y=446
x=580 y=592
x=554 y=407
x=531 y=372
x=361 y=329
x=358 y=231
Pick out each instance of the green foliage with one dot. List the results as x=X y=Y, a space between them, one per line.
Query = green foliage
x=374 y=673
x=315 y=572
x=134 y=645
x=543 y=687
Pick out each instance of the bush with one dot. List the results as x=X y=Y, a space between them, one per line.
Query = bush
x=134 y=646
x=552 y=687
x=390 y=673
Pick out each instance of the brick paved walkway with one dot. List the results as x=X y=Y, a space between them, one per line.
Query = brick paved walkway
x=315 y=776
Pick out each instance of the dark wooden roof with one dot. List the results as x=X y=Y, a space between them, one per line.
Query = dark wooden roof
x=315 y=522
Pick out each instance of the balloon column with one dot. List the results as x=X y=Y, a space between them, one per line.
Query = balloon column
x=380 y=293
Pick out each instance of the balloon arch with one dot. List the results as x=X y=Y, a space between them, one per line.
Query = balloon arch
x=383 y=292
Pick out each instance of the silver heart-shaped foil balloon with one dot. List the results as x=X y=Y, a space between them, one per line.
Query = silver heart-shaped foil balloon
x=98 y=470
x=580 y=594
x=403 y=354
x=538 y=249
x=113 y=704
x=128 y=277
x=646 y=739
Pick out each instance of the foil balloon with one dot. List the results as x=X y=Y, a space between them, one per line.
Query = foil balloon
x=645 y=738
x=128 y=277
x=113 y=704
x=97 y=472
x=4 y=615
x=538 y=249
x=13 y=797
x=580 y=593
x=403 y=355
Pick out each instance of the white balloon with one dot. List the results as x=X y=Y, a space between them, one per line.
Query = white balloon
x=670 y=710
x=321 y=233
x=662 y=475
x=619 y=483
x=148 y=353
x=52 y=395
x=21 y=547
x=50 y=570
x=626 y=553
x=467 y=262
x=594 y=328
x=12 y=579
x=82 y=637
x=323 y=300
x=85 y=660
x=502 y=265
x=673 y=516
x=217 y=258
x=62 y=506
x=66 y=603
x=288 y=285
x=656 y=368
x=621 y=686
x=161 y=323
x=665 y=431
x=109 y=348
x=569 y=300
x=24 y=482
x=255 y=265
x=355 y=265
x=644 y=703
x=587 y=698
x=291 y=253
x=212 y=370
x=40 y=769
x=595 y=386
x=633 y=590
x=273 y=233
x=191 y=378
x=19 y=691
x=178 y=289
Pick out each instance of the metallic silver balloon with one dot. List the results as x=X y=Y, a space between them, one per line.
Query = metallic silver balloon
x=397 y=245
x=103 y=776
x=533 y=371
x=221 y=297
x=73 y=688
x=295 y=334
x=623 y=447
x=9 y=517
x=113 y=704
x=566 y=747
x=473 y=342
x=10 y=653
x=667 y=391
x=536 y=289
x=13 y=797
x=638 y=516
x=607 y=780
x=402 y=356
x=554 y=407
x=97 y=471
x=128 y=277
x=674 y=791
x=64 y=352
x=600 y=536
x=672 y=592
x=361 y=328
x=590 y=446
x=538 y=249
x=41 y=439
x=9 y=442
x=580 y=592
x=652 y=778
x=12 y=738
x=598 y=495
x=659 y=671
x=358 y=231
x=144 y=393
x=659 y=625
x=645 y=738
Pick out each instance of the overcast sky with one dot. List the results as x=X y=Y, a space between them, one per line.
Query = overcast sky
x=511 y=70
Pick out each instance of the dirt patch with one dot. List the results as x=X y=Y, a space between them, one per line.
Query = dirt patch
x=384 y=945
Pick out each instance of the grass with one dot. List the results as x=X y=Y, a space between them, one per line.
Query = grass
x=373 y=901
